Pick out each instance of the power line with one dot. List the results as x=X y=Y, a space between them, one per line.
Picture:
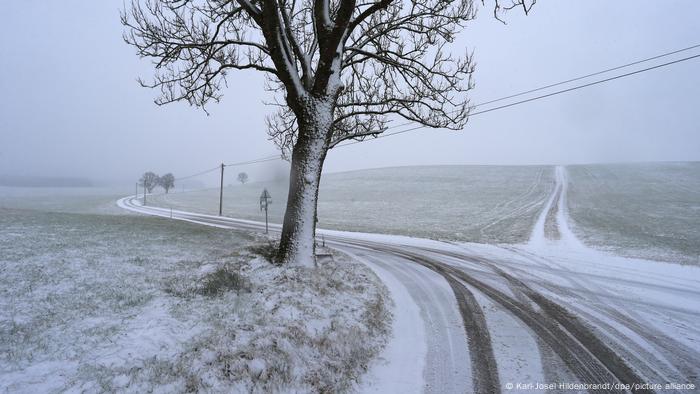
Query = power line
x=384 y=135
x=197 y=174
x=242 y=163
x=534 y=98
x=174 y=191
x=666 y=54
x=587 y=85
x=254 y=161
x=590 y=75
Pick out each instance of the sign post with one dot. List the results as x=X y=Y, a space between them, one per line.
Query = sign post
x=265 y=201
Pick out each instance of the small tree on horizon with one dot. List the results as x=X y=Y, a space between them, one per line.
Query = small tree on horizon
x=167 y=182
x=149 y=181
x=242 y=177
x=341 y=69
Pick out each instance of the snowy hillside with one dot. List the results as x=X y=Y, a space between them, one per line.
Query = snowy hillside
x=644 y=210
x=489 y=204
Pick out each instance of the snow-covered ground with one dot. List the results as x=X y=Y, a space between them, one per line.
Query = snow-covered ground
x=101 y=303
x=638 y=318
x=646 y=210
x=487 y=204
x=503 y=317
x=643 y=210
x=98 y=200
x=507 y=317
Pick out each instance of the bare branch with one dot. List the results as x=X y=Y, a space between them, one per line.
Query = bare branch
x=364 y=61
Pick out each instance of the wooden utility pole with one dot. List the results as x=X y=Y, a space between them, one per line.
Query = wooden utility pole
x=221 y=190
x=144 y=192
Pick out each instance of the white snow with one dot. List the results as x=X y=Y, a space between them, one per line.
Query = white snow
x=427 y=348
x=99 y=303
x=399 y=367
x=664 y=296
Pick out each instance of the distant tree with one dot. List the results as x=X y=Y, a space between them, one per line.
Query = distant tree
x=149 y=180
x=242 y=177
x=342 y=70
x=167 y=182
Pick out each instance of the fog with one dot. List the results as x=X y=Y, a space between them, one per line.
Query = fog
x=71 y=106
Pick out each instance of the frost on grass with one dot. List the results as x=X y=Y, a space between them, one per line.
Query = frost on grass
x=485 y=204
x=641 y=210
x=298 y=329
x=105 y=303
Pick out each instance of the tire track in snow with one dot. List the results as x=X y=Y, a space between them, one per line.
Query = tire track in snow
x=447 y=351
x=684 y=362
x=578 y=347
x=526 y=204
x=611 y=360
x=484 y=371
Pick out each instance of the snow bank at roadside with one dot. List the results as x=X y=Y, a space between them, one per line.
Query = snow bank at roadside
x=297 y=330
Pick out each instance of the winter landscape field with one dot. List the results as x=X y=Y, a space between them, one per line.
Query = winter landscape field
x=104 y=300
x=96 y=297
x=490 y=204
x=642 y=210
x=549 y=309
x=351 y=197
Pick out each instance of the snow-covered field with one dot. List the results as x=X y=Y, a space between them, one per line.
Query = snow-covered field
x=95 y=302
x=100 y=302
x=499 y=318
x=641 y=210
x=97 y=200
x=487 y=204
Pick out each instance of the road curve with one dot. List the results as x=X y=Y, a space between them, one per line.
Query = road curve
x=504 y=319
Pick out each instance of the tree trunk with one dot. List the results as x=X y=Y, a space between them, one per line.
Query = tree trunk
x=297 y=244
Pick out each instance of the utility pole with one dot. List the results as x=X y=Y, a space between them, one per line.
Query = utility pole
x=144 y=192
x=221 y=190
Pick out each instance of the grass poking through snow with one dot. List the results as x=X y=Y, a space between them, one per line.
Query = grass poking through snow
x=111 y=303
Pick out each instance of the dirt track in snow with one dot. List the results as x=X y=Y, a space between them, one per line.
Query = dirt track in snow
x=513 y=315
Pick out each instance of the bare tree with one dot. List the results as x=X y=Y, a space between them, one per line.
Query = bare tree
x=242 y=177
x=149 y=180
x=343 y=67
x=167 y=182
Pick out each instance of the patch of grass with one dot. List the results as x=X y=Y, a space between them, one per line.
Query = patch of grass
x=377 y=314
x=223 y=279
x=138 y=260
x=267 y=251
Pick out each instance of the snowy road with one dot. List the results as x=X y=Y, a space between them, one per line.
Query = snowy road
x=486 y=318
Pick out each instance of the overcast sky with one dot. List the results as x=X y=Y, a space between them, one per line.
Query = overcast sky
x=70 y=104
